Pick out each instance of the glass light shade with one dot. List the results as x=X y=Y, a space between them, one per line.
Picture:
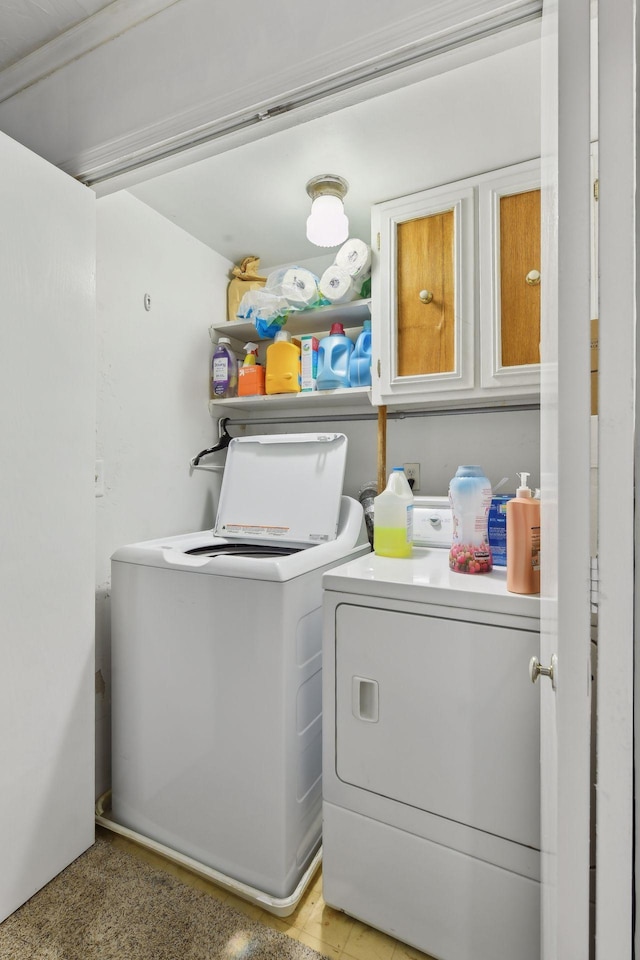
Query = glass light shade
x=327 y=224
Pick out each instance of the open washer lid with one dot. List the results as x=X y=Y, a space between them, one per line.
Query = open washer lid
x=284 y=487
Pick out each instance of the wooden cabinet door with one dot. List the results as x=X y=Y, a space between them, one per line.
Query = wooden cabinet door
x=423 y=296
x=426 y=295
x=509 y=254
x=520 y=278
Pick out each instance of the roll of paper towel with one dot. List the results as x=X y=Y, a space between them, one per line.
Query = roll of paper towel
x=300 y=287
x=336 y=285
x=354 y=256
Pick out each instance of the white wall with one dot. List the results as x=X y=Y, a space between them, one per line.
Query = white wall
x=503 y=443
x=152 y=404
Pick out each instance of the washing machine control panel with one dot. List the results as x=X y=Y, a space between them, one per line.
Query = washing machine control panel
x=432 y=522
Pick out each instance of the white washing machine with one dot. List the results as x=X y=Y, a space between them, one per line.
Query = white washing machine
x=216 y=669
x=431 y=751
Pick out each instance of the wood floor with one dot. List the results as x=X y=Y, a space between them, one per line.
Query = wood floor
x=328 y=931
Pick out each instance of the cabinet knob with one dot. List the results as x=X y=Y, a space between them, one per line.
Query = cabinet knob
x=533 y=278
x=426 y=296
x=537 y=670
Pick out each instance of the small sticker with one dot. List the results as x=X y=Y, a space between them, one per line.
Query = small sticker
x=253 y=530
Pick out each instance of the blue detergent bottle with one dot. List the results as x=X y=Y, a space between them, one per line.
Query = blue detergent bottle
x=360 y=360
x=334 y=353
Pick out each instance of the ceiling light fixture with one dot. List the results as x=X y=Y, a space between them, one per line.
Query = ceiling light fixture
x=327 y=224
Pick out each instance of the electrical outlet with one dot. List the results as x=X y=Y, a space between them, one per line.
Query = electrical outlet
x=99 y=478
x=412 y=472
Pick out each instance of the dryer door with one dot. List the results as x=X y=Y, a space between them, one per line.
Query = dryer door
x=439 y=714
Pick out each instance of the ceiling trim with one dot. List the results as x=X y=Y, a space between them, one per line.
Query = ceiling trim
x=119 y=16
x=175 y=136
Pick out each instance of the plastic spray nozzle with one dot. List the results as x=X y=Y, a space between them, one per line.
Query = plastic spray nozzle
x=523 y=490
x=250 y=359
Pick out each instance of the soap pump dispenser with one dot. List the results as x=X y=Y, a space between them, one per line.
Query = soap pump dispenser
x=523 y=540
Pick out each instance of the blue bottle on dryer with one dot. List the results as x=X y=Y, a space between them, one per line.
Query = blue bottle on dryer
x=360 y=360
x=334 y=353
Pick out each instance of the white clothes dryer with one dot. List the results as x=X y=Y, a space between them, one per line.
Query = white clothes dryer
x=216 y=668
x=431 y=751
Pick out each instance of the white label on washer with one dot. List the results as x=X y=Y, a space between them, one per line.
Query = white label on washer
x=253 y=530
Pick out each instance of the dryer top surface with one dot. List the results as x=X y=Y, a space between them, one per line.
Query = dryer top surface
x=425 y=577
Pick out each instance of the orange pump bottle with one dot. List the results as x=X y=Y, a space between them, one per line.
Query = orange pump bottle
x=523 y=540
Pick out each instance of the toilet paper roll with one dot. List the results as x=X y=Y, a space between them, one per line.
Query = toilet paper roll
x=336 y=285
x=354 y=256
x=300 y=287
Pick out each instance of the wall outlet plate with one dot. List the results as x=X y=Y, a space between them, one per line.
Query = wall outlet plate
x=412 y=472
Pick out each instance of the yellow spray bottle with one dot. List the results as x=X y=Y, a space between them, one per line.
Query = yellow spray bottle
x=251 y=374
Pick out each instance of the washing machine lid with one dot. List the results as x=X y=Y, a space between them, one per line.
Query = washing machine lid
x=282 y=488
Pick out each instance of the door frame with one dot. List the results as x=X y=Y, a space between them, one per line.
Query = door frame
x=615 y=490
x=617 y=474
x=618 y=459
x=565 y=478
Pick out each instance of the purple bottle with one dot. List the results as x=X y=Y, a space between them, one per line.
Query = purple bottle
x=224 y=371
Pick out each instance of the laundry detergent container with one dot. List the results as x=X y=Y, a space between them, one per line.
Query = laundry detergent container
x=334 y=352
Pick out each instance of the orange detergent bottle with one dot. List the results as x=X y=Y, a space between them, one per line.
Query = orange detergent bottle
x=283 y=365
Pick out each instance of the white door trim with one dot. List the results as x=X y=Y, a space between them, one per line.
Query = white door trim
x=565 y=465
x=617 y=45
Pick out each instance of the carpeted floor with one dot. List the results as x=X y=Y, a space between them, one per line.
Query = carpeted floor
x=109 y=906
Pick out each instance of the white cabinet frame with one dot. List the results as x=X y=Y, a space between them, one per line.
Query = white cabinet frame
x=387 y=386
